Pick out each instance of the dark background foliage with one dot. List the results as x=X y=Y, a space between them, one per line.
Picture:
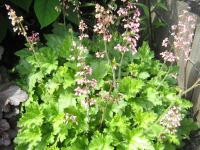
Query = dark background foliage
x=12 y=42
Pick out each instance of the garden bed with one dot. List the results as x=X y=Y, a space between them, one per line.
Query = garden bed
x=88 y=78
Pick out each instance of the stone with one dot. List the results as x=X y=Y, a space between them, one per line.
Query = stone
x=4 y=125
x=13 y=122
x=5 y=139
x=1 y=115
x=12 y=133
x=14 y=95
x=10 y=147
x=1 y=52
x=12 y=113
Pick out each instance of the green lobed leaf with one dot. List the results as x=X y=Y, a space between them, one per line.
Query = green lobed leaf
x=32 y=117
x=187 y=125
x=66 y=100
x=144 y=119
x=145 y=53
x=138 y=142
x=60 y=44
x=144 y=75
x=60 y=129
x=100 y=69
x=130 y=87
x=119 y=124
x=153 y=96
x=30 y=136
x=101 y=142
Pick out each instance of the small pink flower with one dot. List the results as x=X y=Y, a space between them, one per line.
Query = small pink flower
x=93 y=83
x=88 y=70
x=122 y=12
x=121 y=49
x=81 y=91
x=174 y=27
x=168 y=56
x=165 y=42
x=34 y=37
x=82 y=28
x=82 y=81
x=100 y=54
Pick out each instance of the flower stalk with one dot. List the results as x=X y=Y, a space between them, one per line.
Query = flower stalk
x=110 y=63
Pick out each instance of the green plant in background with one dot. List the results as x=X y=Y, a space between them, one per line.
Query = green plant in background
x=101 y=92
x=46 y=12
x=152 y=19
x=74 y=10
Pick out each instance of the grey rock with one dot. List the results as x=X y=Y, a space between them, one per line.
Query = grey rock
x=1 y=115
x=4 y=125
x=13 y=122
x=10 y=147
x=12 y=113
x=13 y=95
x=12 y=133
x=1 y=52
x=5 y=139
x=5 y=108
x=4 y=77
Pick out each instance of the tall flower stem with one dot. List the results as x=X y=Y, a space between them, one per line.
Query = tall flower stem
x=88 y=116
x=110 y=63
x=27 y=40
x=167 y=73
x=120 y=66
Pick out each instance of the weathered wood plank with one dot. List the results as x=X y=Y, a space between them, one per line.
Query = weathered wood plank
x=171 y=17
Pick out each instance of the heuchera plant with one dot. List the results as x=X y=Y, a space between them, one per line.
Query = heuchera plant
x=99 y=93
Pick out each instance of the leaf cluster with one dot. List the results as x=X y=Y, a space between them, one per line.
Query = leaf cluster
x=125 y=118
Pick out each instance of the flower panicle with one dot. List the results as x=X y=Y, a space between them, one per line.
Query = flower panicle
x=104 y=18
x=84 y=84
x=171 y=120
x=182 y=35
x=17 y=22
x=20 y=29
x=131 y=26
x=82 y=28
